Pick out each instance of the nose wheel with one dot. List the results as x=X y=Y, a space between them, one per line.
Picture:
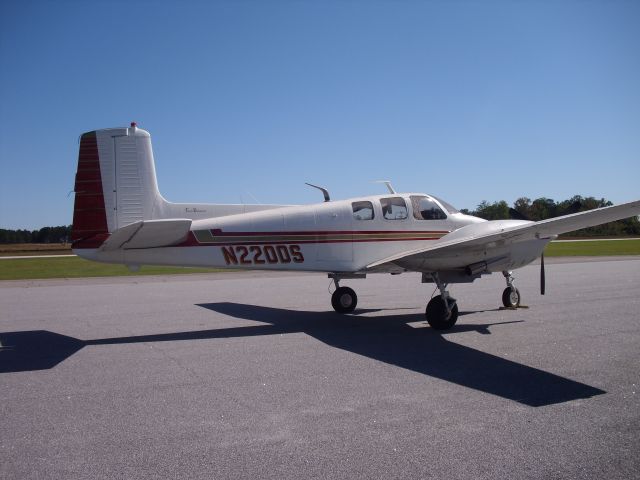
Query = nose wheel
x=510 y=295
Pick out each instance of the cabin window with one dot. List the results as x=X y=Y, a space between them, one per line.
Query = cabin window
x=426 y=209
x=394 y=208
x=362 y=210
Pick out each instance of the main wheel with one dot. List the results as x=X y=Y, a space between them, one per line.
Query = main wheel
x=511 y=297
x=344 y=300
x=437 y=314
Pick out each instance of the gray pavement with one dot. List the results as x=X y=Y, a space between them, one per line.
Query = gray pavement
x=253 y=376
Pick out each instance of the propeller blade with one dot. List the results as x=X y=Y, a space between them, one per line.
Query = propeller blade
x=542 y=281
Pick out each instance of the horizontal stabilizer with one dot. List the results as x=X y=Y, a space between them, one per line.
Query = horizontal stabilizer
x=148 y=234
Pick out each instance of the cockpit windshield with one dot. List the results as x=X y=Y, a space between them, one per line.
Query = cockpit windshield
x=426 y=209
x=450 y=208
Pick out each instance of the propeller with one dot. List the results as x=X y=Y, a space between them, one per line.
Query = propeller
x=542 y=282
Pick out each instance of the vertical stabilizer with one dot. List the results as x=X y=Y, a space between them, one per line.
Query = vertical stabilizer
x=115 y=184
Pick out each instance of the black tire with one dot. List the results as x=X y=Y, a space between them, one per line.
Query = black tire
x=511 y=297
x=344 y=300
x=437 y=315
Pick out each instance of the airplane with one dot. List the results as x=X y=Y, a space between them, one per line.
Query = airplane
x=121 y=217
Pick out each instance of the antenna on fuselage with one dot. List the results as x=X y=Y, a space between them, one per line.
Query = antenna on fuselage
x=323 y=190
x=258 y=202
x=388 y=184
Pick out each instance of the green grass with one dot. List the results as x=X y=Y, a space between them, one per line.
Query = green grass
x=75 y=267
x=593 y=248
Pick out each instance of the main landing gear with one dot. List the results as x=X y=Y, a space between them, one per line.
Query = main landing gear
x=343 y=299
x=442 y=310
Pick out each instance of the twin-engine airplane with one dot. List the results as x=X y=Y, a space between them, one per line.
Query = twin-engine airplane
x=120 y=217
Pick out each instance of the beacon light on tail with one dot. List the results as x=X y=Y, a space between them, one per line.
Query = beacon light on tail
x=120 y=217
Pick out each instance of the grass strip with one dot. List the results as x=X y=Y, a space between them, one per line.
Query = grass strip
x=593 y=248
x=76 y=267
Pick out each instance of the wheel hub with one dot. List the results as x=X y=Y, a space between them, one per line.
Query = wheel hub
x=345 y=300
x=513 y=296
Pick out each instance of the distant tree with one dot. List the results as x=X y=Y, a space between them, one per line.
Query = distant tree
x=543 y=208
x=43 y=235
x=492 y=211
x=523 y=207
x=573 y=205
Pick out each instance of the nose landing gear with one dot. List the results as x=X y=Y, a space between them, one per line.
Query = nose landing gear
x=510 y=295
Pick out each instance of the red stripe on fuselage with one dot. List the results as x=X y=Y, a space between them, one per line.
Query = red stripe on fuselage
x=302 y=242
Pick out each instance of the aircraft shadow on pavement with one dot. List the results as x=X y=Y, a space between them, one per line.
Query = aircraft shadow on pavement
x=389 y=339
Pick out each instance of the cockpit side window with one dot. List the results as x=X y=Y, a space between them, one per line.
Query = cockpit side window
x=426 y=209
x=394 y=208
x=362 y=210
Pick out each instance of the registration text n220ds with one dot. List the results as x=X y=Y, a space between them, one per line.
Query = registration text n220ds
x=262 y=254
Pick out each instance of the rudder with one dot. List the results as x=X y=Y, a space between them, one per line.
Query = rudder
x=90 y=227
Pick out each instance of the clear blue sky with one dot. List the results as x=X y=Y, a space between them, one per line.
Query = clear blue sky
x=471 y=101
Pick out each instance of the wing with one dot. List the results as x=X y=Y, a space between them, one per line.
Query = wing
x=148 y=234
x=486 y=234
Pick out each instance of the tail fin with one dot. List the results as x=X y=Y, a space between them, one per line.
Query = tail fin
x=115 y=184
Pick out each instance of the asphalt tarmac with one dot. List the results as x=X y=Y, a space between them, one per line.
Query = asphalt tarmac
x=254 y=376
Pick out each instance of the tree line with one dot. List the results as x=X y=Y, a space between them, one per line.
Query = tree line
x=543 y=208
x=61 y=234
x=523 y=208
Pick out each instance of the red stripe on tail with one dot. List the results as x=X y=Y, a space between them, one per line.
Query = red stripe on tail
x=89 y=216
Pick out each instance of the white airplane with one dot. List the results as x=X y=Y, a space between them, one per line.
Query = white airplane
x=120 y=217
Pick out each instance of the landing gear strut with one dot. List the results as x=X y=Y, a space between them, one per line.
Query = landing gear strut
x=442 y=310
x=510 y=295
